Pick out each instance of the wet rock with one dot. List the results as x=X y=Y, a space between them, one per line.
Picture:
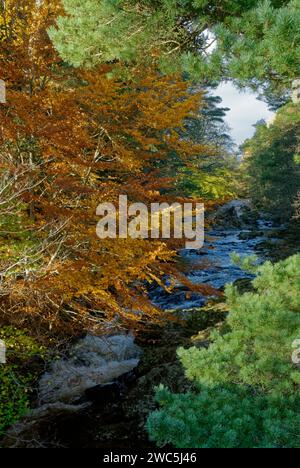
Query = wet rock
x=178 y=299
x=93 y=362
x=250 y=235
x=100 y=370
x=235 y=214
x=36 y=429
x=129 y=378
x=111 y=392
x=141 y=400
x=103 y=394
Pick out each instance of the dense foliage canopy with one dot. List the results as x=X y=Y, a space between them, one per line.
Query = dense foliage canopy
x=71 y=139
x=253 y=42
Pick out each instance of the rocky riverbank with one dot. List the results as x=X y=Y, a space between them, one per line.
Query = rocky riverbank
x=100 y=395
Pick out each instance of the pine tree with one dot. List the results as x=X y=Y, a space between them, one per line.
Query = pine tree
x=248 y=386
x=262 y=47
x=257 y=42
x=214 y=176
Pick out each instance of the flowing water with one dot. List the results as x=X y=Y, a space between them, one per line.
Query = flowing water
x=213 y=265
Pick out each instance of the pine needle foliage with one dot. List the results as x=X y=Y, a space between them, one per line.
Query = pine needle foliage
x=246 y=384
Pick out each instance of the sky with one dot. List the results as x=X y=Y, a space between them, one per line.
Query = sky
x=245 y=111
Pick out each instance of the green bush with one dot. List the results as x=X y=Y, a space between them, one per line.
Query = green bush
x=247 y=385
x=13 y=398
x=15 y=379
x=272 y=166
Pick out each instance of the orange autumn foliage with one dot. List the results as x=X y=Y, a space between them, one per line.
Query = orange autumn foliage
x=76 y=138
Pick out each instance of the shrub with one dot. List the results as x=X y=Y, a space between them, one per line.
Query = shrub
x=247 y=385
x=15 y=379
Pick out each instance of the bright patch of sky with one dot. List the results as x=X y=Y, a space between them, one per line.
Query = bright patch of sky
x=245 y=111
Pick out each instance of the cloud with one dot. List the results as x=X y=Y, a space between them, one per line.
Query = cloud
x=245 y=111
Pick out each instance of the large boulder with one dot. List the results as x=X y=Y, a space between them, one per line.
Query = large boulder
x=99 y=370
x=235 y=214
x=93 y=361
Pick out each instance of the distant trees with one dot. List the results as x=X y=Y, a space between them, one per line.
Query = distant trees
x=247 y=386
x=272 y=163
x=209 y=123
x=214 y=175
x=297 y=207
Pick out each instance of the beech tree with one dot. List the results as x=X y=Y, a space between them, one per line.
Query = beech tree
x=84 y=138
